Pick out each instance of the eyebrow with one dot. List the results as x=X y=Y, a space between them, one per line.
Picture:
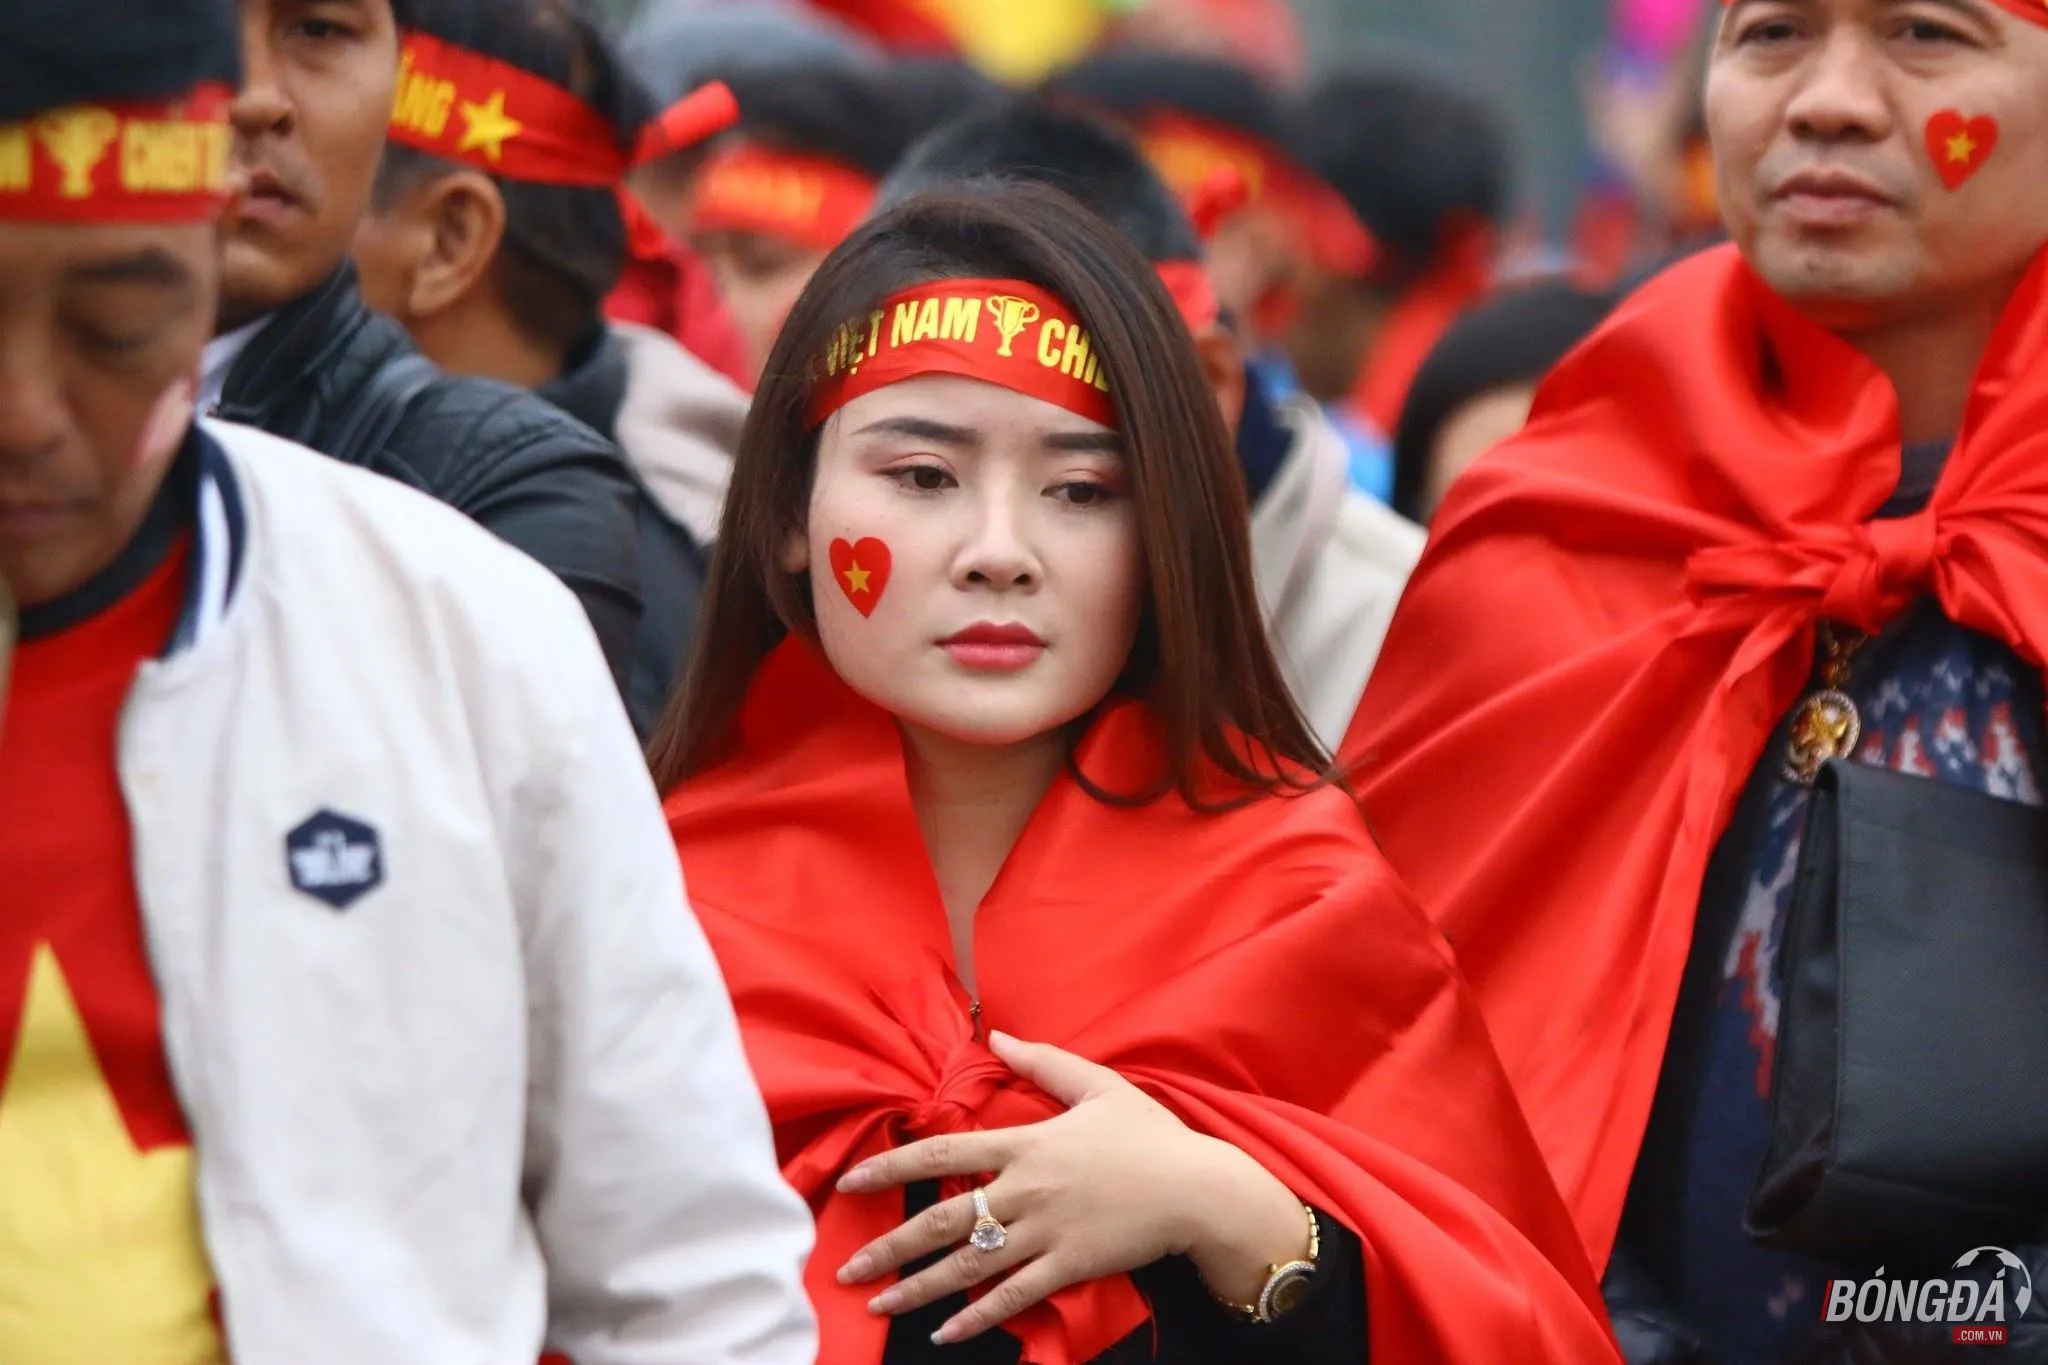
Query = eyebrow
x=1086 y=442
x=150 y=266
x=1970 y=8
x=923 y=429
x=967 y=438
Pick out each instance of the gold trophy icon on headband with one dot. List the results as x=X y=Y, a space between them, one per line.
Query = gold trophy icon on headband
x=77 y=140
x=1012 y=316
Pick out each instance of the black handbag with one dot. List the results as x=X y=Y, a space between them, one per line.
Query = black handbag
x=1909 y=1099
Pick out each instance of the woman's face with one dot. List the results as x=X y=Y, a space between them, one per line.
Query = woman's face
x=974 y=557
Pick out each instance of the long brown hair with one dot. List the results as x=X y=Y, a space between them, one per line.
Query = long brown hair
x=1200 y=658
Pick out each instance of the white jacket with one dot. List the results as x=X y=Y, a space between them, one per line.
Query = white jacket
x=457 y=1061
x=1330 y=565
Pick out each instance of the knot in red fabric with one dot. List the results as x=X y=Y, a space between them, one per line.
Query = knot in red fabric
x=1892 y=563
x=1860 y=575
x=968 y=1079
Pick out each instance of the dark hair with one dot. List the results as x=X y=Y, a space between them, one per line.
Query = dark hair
x=1200 y=658
x=1028 y=140
x=564 y=246
x=1514 y=339
x=1133 y=83
x=931 y=93
x=59 y=52
x=835 y=108
x=1410 y=152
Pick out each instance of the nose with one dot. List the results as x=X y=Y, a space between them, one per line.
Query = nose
x=998 y=553
x=1844 y=96
x=33 y=414
x=261 y=107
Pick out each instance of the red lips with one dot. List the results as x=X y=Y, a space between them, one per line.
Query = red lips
x=987 y=633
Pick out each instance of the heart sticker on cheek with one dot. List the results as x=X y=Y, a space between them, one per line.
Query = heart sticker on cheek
x=1960 y=146
x=862 y=571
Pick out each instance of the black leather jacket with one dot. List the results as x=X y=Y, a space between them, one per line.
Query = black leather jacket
x=672 y=563
x=328 y=373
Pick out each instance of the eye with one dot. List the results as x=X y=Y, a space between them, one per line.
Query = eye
x=1084 y=493
x=1766 y=32
x=1929 y=31
x=924 y=478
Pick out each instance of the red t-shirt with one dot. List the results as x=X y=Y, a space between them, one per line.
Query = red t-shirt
x=101 y=1256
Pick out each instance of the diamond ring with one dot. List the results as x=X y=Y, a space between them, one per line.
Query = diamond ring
x=988 y=1234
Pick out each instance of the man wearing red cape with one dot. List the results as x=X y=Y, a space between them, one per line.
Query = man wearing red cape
x=1789 y=506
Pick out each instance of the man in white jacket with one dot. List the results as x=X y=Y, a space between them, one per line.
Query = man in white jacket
x=350 y=1007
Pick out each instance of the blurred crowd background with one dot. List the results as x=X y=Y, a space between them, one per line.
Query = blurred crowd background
x=1596 y=93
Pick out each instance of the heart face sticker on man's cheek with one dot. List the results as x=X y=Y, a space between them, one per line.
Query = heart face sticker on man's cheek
x=1960 y=146
x=862 y=570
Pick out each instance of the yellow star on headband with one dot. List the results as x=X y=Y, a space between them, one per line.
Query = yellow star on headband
x=488 y=126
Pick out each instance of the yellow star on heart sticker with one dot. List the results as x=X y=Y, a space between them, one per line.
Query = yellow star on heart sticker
x=857 y=578
x=1962 y=147
x=488 y=126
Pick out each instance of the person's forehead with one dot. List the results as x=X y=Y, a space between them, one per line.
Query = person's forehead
x=956 y=410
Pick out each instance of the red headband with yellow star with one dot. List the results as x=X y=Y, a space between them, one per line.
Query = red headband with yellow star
x=491 y=115
x=1004 y=332
x=162 y=161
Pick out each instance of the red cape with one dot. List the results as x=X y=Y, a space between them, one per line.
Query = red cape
x=1260 y=972
x=1615 y=609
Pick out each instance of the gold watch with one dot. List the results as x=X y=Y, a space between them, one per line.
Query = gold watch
x=1287 y=1282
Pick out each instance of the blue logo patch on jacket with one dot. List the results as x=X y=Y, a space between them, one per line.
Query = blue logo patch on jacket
x=335 y=859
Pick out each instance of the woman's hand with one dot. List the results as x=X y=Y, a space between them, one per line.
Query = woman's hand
x=1115 y=1183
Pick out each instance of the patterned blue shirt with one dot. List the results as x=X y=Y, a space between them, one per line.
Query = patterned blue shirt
x=1938 y=701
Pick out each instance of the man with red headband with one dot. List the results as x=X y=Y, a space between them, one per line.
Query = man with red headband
x=1711 y=726
x=1330 y=562
x=776 y=194
x=1218 y=135
x=350 y=1007
x=299 y=356
x=497 y=258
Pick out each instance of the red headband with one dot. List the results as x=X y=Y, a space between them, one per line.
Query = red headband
x=808 y=199
x=163 y=161
x=2034 y=11
x=491 y=115
x=1216 y=169
x=1192 y=294
x=497 y=118
x=1005 y=332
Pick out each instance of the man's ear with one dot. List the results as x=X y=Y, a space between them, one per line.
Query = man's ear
x=463 y=216
x=1223 y=367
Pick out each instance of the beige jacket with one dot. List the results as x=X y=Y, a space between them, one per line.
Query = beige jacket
x=679 y=426
x=1330 y=564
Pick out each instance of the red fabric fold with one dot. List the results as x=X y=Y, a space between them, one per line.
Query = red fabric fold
x=1615 y=610
x=1258 y=971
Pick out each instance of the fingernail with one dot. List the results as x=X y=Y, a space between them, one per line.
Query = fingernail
x=885 y=1302
x=944 y=1336
x=998 y=1036
x=854 y=1181
x=859 y=1268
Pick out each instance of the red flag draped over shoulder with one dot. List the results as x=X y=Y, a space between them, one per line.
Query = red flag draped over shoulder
x=1615 y=609
x=1260 y=972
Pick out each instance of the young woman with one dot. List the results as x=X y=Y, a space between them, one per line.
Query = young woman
x=983 y=743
